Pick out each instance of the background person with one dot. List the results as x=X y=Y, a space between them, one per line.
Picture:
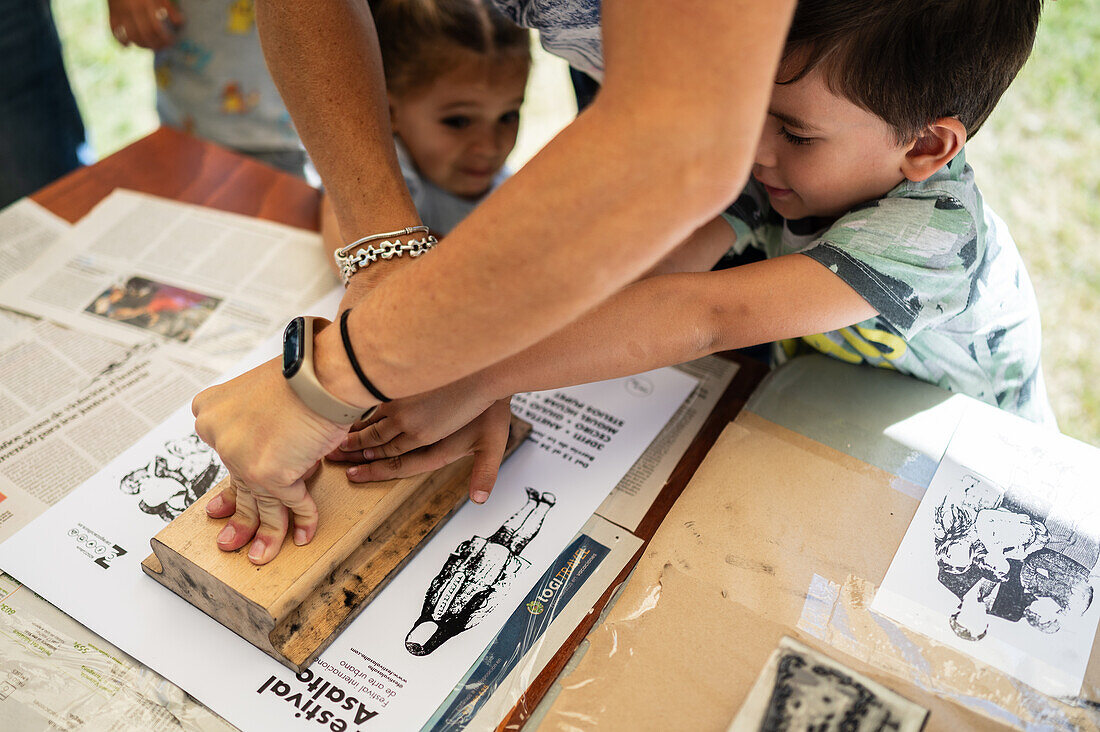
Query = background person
x=40 y=126
x=210 y=73
x=880 y=248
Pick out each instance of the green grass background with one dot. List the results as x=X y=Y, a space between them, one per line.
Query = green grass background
x=1037 y=161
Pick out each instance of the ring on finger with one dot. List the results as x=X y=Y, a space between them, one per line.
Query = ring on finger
x=120 y=33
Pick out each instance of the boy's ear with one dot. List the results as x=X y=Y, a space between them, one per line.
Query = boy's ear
x=934 y=147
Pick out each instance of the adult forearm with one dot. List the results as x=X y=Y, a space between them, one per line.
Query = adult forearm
x=324 y=58
x=654 y=157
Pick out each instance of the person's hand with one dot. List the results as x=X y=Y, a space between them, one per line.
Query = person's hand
x=270 y=442
x=404 y=425
x=404 y=454
x=147 y=23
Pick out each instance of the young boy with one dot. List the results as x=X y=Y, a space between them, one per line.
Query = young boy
x=879 y=247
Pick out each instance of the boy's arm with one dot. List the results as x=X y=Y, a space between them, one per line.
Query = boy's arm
x=654 y=322
x=699 y=252
x=680 y=317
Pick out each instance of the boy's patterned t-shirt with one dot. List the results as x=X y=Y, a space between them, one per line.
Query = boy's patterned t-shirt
x=956 y=307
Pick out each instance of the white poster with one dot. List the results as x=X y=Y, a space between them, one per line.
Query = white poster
x=403 y=655
x=1000 y=559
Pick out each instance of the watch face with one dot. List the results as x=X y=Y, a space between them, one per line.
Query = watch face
x=293 y=346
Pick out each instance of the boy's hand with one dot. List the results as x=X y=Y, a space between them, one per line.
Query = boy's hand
x=270 y=443
x=404 y=425
x=430 y=434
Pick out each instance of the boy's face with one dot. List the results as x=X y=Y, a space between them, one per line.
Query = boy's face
x=460 y=128
x=821 y=155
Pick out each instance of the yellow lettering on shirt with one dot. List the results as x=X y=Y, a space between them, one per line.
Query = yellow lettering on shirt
x=867 y=345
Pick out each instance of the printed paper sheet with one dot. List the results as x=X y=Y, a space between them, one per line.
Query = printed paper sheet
x=56 y=674
x=628 y=503
x=27 y=232
x=537 y=628
x=206 y=284
x=404 y=654
x=71 y=394
x=1000 y=559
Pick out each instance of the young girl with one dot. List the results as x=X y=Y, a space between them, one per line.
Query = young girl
x=455 y=71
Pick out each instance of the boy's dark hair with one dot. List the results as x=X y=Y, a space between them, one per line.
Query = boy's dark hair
x=914 y=61
x=418 y=38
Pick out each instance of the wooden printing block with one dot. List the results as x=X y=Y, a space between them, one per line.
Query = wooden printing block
x=293 y=607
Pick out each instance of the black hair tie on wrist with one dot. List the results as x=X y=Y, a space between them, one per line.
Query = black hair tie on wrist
x=355 y=362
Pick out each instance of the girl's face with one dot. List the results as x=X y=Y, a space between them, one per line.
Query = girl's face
x=460 y=127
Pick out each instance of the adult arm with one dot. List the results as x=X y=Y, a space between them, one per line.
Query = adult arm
x=665 y=146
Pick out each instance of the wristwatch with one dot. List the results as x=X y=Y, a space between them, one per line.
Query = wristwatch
x=299 y=373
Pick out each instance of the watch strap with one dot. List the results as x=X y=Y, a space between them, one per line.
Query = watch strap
x=308 y=387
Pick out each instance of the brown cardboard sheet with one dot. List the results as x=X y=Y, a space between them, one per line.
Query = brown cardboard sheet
x=777 y=535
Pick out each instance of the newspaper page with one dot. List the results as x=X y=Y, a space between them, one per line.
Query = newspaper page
x=27 y=232
x=206 y=284
x=401 y=657
x=628 y=503
x=69 y=403
x=55 y=674
x=1000 y=559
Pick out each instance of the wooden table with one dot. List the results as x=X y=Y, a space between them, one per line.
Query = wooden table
x=175 y=165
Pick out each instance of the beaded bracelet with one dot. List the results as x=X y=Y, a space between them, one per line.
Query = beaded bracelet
x=349 y=263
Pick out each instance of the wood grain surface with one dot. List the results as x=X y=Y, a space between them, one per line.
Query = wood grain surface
x=175 y=165
x=293 y=607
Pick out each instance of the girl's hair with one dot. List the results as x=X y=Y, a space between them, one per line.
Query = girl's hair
x=418 y=38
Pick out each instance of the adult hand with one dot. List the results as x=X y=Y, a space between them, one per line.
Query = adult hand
x=270 y=442
x=147 y=23
x=484 y=437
